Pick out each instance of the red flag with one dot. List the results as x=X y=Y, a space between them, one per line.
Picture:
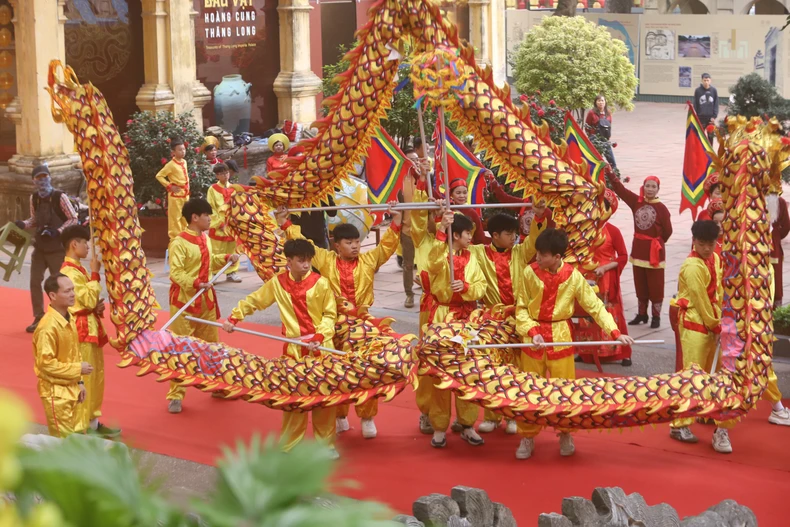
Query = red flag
x=697 y=165
x=385 y=169
x=461 y=164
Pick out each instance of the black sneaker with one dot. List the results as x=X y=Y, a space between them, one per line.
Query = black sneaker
x=32 y=327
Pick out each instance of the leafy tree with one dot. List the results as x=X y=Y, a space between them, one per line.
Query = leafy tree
x=571 y=61
x=566 y=8
x=619 y=6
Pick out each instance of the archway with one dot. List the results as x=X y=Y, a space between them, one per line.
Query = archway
x=688 y=7
x=765 y=7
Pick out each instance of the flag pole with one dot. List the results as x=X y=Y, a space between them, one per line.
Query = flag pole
x=443 y=131
x=413 y=206
x=197 y=295
x=564 y=344
x=424 y=145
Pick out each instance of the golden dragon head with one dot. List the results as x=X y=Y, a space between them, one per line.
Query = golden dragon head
x=68 y=95
x=758 y=146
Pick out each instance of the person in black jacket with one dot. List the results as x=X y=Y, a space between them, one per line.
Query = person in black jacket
x=706 y=104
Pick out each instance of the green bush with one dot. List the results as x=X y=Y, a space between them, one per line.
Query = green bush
x=782 y=320
x=148 y=142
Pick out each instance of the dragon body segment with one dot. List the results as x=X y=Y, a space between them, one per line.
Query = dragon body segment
x=381 y=362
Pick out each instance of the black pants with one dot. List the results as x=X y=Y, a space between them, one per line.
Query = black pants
x=40 y=262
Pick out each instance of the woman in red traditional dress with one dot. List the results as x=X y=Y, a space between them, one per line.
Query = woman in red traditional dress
x=278 y=144
x=610 y=257
x=713 y=191
x=716 y=212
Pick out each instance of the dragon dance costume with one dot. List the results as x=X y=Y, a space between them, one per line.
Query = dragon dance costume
x=222 y=240
x=90 y=335
x=58 y=366
x=192 y=262
x=307 y=307
x=174 y=176
x=545 y=303
x=352 y=280
x=652 y=229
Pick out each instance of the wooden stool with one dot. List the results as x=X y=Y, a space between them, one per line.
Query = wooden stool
x=20 y=239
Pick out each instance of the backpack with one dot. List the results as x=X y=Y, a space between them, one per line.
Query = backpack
x=82 y=210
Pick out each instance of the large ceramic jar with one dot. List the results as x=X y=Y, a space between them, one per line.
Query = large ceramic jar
x=233 y=104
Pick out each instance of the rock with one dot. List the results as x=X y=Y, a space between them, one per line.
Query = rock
x=728 y=513
x=475 y=505
x=553 y=520
x=457 y=521
x=579 y=511
x=435 y=510
x=503 y=516
x=409 y=521
x=613 y=507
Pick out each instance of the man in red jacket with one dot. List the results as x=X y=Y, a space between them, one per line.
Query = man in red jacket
x=780 y=228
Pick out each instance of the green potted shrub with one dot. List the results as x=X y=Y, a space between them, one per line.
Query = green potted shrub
x=148 y=142
x=782 y=331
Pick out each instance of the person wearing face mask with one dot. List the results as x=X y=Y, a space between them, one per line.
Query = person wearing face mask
x=50 y=212
x=652 y=229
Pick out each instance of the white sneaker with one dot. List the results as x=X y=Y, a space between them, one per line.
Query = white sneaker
x=425 y=425
x=525 y=448
x=683 y=435
x=233 y=277
x=486 y=427
x=369 y=428
x=721 y=441
x=470 y=436
x=341 y=425
x=782 y=417
x=457 y=427
x=174 y=406
x=439 y=440
x=333 y=454
x=566 y=445
x=511 y=428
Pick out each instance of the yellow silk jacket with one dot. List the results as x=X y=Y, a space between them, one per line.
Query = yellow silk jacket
x=307 y=307
x=545 y=303
x=87 y=290
x=218 y=196
x=700 y=294
x=58 y=361
x=175 y=173
x=352 y=280
x=192 y=263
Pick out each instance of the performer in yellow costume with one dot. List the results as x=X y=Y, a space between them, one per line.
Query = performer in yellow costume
x=87 y=311
x=453 y=300
x=219 y=195
x=545 y=302
x=191 y=266
x=351 y=276
x=174 y=176
x=57 y=360
x=503 y=263
x=309 y=311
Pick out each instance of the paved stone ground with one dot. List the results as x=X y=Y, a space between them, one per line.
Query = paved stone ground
x=650 y=141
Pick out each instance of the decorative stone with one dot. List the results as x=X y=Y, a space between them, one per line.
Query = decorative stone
x=457 y=521
x=503 y=516
x=728 y=513
x=475 y=505
x=435 y=509
x=553 y=520
x=408 y=521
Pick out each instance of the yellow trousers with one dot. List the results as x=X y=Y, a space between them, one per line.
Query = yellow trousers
x=175 y=221
x=367 y=410
x=440 y=410
x=424 y=392
x=560 y=368
x=184 y=327
x=220 y=247
x=94 y=384
x=295 y=426
x=63 y=416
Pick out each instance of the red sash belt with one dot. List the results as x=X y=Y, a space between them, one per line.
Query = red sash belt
x=212 y=233
x=683 y=306
x=83 y=332
x=655 y=247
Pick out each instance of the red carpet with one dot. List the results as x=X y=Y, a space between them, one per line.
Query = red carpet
x=400 y=466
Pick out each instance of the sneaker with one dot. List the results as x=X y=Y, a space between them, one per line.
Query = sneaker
x=409 y=303
x=525 y=448
x=625 y=362
x=567 y=447
x=369 y=429
x=32 y=327
x=683 y=435
x=233 y=277
x=721 y=441
x=425 y=425
x=511 y=428
x=105 y=431
x=470 y=436
x=486 y=427
x=655 y=323
x=457 y=427
x=333 y=454
x=341 y=425
x=439 y=440
x=782 y=417
x=174 y=406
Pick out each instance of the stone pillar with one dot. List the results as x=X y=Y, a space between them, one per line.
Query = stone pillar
x=170 y=67
x=40 y=38
x=480 y=29
x=296 y=86
x=498 y=52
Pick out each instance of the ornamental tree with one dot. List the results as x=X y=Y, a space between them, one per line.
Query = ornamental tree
x=571 y=61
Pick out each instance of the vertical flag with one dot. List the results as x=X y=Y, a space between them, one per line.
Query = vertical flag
x=697 y=164
x=461 y=164
x=580 y=148
x=385 y=169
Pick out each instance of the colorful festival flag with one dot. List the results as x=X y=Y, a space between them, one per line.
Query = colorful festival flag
x=461 y=164
x=581 y=148
x=697 y=165
x=385 y=169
